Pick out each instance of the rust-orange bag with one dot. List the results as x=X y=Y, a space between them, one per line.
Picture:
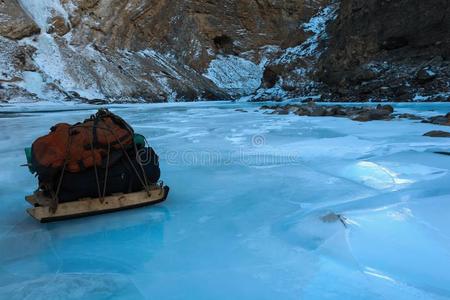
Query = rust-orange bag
x=78 y=147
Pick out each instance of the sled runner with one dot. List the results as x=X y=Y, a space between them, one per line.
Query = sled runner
x=43 y=212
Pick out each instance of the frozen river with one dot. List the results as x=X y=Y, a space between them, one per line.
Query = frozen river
x=250 y=214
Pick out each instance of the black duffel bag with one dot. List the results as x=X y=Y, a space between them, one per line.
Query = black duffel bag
x=122 y=177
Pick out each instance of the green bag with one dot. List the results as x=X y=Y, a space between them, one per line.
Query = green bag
x=139 y=140
x=28 y=155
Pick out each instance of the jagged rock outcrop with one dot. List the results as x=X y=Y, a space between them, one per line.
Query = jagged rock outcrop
x=196 y=31
x=14 y=22
x=355 y=113
x=146 y=50
x=438 y=133
x=395 y=50
x=160 y=50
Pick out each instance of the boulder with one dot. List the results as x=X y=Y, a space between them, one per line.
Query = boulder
x=437 y=133
x=14 y=22
x=385 y=107
x=439 y=120
x=281 y=110
x=311 y=109
x=443 y=153
x=373 y=115
x=334 y=111
x=58 y=25
x=393 y=41
x=409 y=116
x=318 y=111
x=425 y=75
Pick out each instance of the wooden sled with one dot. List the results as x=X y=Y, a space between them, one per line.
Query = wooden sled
x=93 y=206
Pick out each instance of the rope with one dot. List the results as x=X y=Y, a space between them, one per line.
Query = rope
x=128 y=127
x=142 y=167
x=55 y=198
x=107 y=113
x=95 y=167
x=143 y=182
x=106 y=169
x=101 y=193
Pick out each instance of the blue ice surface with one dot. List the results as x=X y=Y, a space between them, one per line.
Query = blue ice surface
x=244 y=219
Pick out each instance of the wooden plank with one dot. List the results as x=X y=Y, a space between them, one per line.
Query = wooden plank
x=94 y=206
x=32 y=200
x=38 y=199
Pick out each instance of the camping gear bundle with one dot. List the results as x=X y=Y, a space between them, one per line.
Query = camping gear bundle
x=99 y=157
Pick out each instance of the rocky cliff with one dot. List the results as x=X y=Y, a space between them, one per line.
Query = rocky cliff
x=167 y=50
x=394 y=50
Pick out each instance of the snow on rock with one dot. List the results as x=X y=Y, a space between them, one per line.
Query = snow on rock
x=57 y=64
x=34 y=83
x=317 y=26
x=20 y=76
x=50 y=58
x=276 y=93
x=7 y=51
x=42 y=11
x=299 y=60
x=163 y=60
x=91 y=71
x=235 y=75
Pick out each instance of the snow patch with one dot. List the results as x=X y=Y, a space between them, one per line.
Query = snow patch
x=52 y=63
x=43 y=10
x=317 y=26
x=421 y=98
x=162 y=59
x=235 y=75
x=33 y=83
x=48 y=56
x=275 y=93
x=7 y=51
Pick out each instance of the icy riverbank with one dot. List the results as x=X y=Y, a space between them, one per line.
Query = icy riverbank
x=245 y=215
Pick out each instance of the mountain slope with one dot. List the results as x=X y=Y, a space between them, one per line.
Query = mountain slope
x=396 y=50
x=144 y=50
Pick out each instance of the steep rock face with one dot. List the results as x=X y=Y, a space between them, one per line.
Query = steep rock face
x=165 y=50
x=195 y=30
x=14 y=23
x=15 y=58
x=291 y=73
x=15 y=67
x=228 y=43
x=394 y=50
x=171 y=50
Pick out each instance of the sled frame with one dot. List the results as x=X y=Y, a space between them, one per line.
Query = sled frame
x=93 y=206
